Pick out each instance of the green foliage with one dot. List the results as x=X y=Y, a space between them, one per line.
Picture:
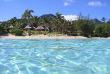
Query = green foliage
x=41 y=32
x=86 y=27
x=4 y=28
x=107 y=29
x=57 y=25
x=1 y=31
x=103 y=19
x=16 y=31
x=101 y=30
x=18 y=25
x=36 y=32
x=32 y=32
x=27 y=15
x=55 y=33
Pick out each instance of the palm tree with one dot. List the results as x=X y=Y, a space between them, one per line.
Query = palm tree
x=35 y=21
x=103 y=19
x=46 y=21
x=58 y=21
x=58 y=16
x=27 y=15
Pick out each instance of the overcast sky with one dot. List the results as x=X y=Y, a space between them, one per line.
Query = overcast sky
x=69 y=8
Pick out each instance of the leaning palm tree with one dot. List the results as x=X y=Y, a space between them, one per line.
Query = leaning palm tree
x=27 y=15
x=58 y=16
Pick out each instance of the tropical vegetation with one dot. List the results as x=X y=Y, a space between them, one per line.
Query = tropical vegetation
x=57 y=25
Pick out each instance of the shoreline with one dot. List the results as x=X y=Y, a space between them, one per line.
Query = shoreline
x=10 y=36
x=42 y=37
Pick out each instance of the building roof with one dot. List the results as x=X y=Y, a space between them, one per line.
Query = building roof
x=27 y=27
x=41 y=27
x=11 y=26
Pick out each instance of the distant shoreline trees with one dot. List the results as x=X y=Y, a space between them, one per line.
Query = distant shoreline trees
x=56 y=23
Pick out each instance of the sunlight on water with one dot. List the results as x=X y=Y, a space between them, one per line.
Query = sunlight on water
x=55 y=56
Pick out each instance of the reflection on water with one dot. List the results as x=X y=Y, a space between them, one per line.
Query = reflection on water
x=55 y=56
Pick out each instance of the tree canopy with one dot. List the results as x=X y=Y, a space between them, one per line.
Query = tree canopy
x=56 y=23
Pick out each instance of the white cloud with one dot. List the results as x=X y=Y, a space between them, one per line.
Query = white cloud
x=70 y=17
x=68 y=2
x=95 y=3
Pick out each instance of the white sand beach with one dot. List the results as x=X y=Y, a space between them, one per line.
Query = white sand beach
x=10 y=36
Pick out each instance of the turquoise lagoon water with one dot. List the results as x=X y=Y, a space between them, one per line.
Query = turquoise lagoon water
x=55 y=56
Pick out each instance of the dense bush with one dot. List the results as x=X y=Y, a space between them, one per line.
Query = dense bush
x=3 y=28
x=101 y=30
x=107 y=29
x=35 y=32
x=86 y=27
x=38 y=32
x=57 y=25
x=16 y=31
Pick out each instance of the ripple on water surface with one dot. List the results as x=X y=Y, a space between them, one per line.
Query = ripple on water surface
x=55 y=56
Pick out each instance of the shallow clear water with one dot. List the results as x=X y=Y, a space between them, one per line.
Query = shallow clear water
x=55 y=56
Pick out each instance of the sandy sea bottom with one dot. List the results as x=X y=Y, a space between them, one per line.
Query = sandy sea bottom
x=55 y=56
